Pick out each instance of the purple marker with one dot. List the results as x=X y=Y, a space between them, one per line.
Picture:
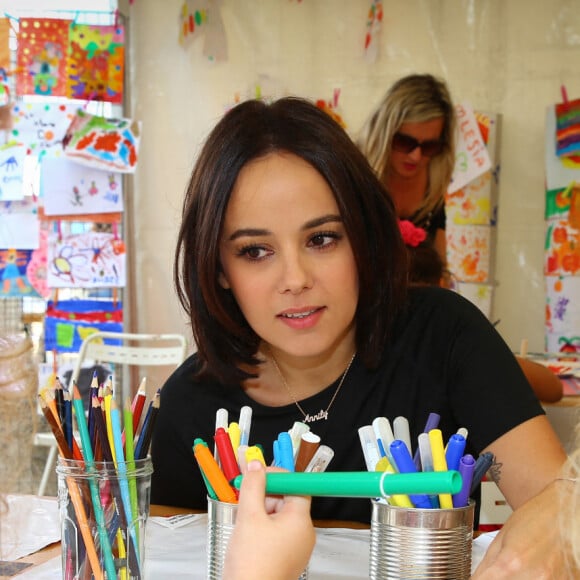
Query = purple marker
x=432 y=423
x=466 y=466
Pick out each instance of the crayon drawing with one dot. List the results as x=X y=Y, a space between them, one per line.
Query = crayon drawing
x=13 y=279
x=563 y=304
x=41 y=127
x=69 y=188
x=12 y=172
x=95 y=63
x=107 y=144
x=42 y=50
x=468 y=252
x=89 y=260
x=562 y=249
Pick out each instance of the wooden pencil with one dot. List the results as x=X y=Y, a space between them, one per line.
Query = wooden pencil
x=144 y=441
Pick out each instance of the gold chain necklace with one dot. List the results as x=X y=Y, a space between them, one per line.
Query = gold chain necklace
x=322 y=414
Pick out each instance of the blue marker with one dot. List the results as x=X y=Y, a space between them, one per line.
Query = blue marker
x=454 y=451
x=285 y=451
x=482 y=464
x=404 y=462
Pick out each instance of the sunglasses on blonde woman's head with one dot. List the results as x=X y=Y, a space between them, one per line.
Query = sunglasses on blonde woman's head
x=405 y=144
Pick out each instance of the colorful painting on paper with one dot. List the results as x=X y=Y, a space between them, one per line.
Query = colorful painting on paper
x=12 y=171
x=471 y=156
x=560 y=171
x=373 y=30
x=558 y=203
x=69 y=322
x=568 y=129
x=4 y=46
x=563 y=304
x=192 y=16
x=103 y=143
x=42 y=51
x=468 y=252
x=13 y=280
x=471 y=204
x=562 y=249
x=556 y=342
x=95 y=65
x=68 y=188
x=67 y=335
x=89 y=260
x=41 y=127
x=479 y=294
x=37 y=268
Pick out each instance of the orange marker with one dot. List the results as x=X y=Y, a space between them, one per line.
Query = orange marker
x=214 y=474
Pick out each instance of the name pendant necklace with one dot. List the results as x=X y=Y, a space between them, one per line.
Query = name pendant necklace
x=322 y=414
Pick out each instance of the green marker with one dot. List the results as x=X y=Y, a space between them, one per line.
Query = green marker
x=359 y=483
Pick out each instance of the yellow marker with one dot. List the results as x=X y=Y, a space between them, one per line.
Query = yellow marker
x=235 y=436
x=399 y=500
x=254 y=452
x=439 y=463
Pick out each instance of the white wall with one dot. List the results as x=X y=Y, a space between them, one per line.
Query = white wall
x=506 y=56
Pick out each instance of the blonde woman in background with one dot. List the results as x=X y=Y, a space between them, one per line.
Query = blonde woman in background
x=409 y=142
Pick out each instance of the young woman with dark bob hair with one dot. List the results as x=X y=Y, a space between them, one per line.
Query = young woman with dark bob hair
x=292 y=270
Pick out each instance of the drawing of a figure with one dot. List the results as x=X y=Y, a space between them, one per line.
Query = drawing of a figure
x=12 y=278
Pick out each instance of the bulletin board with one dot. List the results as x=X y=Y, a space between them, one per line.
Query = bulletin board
x=64 y=164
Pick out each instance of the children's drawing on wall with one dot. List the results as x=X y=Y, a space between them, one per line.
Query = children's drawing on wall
x=468 y=249
x=563 y=305
x=13 y=265
x=198 y=17
x=89 y=260
x=471 y=156
x=560 y=171
x=4 y=43
x=103 y=143
x=12 y=171
x=95 y=63
x=568 y=129
x=37 y=269
x=472 y=203
x=41 y=127
x=69 y=322
x=68 y=188
x=562 y=250
x=373 y=30
x=42 y=51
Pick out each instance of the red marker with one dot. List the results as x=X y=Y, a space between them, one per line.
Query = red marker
x=226 y=454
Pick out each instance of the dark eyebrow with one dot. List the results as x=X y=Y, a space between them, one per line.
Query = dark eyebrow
x=256 y=232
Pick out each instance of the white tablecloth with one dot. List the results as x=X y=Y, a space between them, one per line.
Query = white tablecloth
x=175 y=548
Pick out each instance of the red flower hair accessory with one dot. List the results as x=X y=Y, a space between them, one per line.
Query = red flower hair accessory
x=412 y=235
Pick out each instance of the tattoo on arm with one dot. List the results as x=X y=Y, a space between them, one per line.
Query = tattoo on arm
x=495 y=471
